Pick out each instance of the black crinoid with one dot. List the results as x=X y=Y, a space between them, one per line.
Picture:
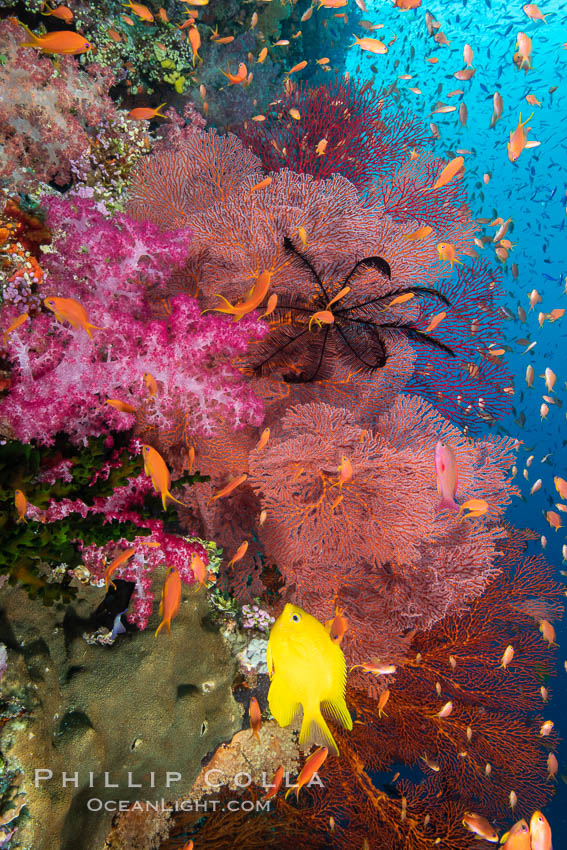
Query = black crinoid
x=303 y=350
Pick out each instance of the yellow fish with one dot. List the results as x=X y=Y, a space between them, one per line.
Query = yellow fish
x=307 y=669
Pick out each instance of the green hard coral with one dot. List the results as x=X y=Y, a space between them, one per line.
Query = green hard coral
x=38 y=552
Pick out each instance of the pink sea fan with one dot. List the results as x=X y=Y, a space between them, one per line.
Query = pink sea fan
x=168 y=186
x=377 y=545
x=46 y=113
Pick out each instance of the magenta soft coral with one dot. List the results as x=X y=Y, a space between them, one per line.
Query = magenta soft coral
x=61 y=378
x=159 y=548
x=45 y=112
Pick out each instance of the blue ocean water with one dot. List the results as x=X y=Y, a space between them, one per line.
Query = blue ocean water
x=532 y=192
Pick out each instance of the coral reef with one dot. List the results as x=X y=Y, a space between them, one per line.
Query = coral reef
x=260 y=229
x=486 y=746
x=365 y=348
x=46 y=113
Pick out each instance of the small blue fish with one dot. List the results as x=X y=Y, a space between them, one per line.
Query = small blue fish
x=118 y=628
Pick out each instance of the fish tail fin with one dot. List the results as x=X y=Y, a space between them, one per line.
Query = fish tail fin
x=89 y=327
x=159 y=628
x=447 y=504
x=230 y=308
x=34 y=38
x=158 y=110
x=167 y=495
x=314 y=730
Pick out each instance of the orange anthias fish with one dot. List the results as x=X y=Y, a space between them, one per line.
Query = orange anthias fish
x=228 y=488
x=406 y=5
x=435 y=321
x=533 y=12
x=239 y=77
x=421 y=233
x=61 y=12
x=540 y=832
x=69 y=310
x=263 y=184
x=480 y=826
x=276 y=782
x=122 y=406
x=117 y=562
x=560 y=486
x=548 y=632
x=60 y=42
x=140 y=10
x=151 y=384
x=384 y=697
x=524 y=45
x=475 y=507
x=239 y=554
x=345 y=472
x=255 y=717
x=254 y=299
x=373 y=45
x=199 y=569
x=21 y=504
x=449 y=172
x=264 y=437
x=517 y=838
x=145 y=113
x=447 y=479
x=518 y=139
x=311 y=766
x=194 y=39
x=170 y=599
x=15 y=324
x=337 y=627
x=447 y=253
x=156 y=468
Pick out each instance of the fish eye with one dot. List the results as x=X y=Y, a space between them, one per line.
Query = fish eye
x=295 y=618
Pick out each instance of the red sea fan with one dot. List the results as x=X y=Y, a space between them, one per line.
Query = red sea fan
x=409 y=194
x=467 y=761
x=363 y=137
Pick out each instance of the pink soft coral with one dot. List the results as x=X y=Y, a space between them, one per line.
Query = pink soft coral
x=62 y=378
x=46 y=112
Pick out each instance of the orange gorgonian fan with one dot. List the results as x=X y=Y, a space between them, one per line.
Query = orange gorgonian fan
x=469 y=760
